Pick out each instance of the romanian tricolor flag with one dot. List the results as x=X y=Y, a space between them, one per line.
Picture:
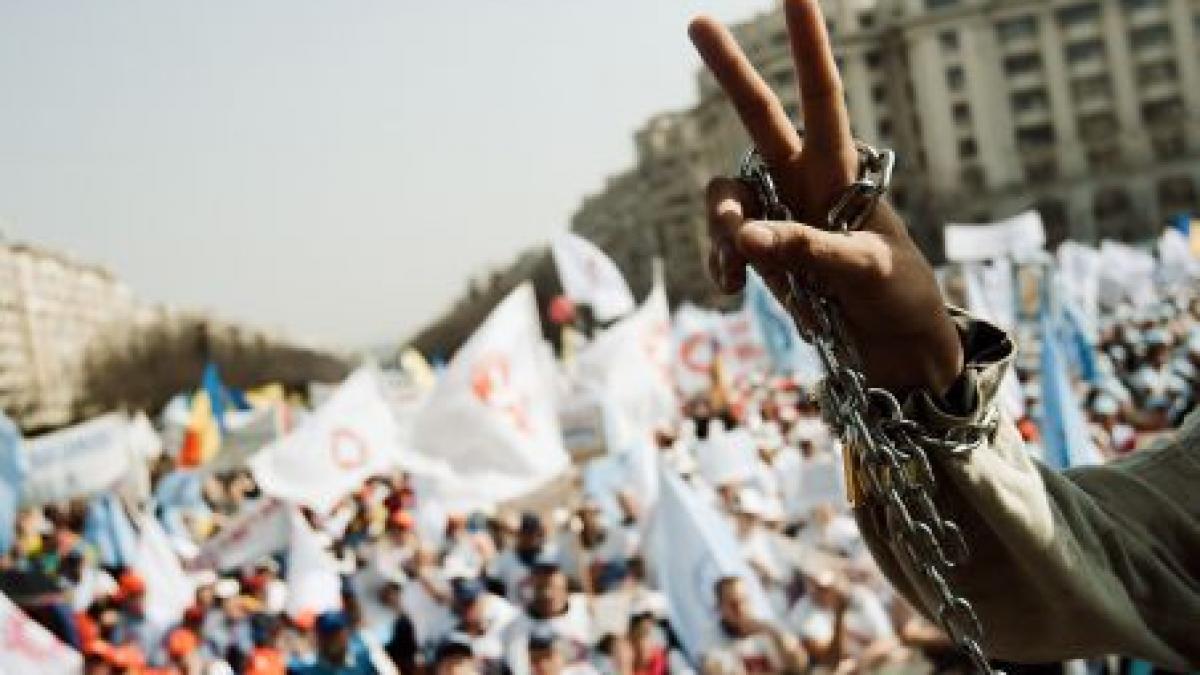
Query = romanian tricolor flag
x=206 y=423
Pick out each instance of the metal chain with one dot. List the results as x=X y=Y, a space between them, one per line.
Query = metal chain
x=890 y=451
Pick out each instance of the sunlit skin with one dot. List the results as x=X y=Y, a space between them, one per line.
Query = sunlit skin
x=890 y=298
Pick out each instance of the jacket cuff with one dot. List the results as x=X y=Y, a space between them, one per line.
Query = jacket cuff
x=987 y=353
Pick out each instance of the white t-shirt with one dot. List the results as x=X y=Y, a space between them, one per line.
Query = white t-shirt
x=756 y=653
x=573 y=627
x=865 y=621
x=510 y=570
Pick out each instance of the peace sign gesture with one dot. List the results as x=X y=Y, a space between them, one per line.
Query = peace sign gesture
x=890 y=300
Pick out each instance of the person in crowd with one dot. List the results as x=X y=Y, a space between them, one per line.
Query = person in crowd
x=756 y=645
x=482 y=621
x=455 y=655
x=338 y=653
x=513 y=568
x=1074 y=564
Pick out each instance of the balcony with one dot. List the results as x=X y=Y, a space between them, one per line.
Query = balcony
x=1081 y=31
x=1026 y=81
x=1158 y=91
x=1032 y=116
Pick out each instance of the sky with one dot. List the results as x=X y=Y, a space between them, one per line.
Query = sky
x=335 y=170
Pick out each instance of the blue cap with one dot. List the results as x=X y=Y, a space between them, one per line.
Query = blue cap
x=332 y=622
x=467 y=591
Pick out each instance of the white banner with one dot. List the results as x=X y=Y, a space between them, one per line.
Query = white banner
x=27 y=647
x=78 y=461
x=490 y=430
x=1126 y=273
x=351 y=437
x=628 y=369
x=701 y=334
x=1079 y=278
x=257 y=533
x=312 y=575
x=1013 y=238
x=169 y=591
x=590 y=277
x=690 y=547
x=992 y=291
x=1177 y=264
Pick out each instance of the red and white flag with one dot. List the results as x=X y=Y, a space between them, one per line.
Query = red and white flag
x=590 y=277
x=26 y=647
x=489 y=431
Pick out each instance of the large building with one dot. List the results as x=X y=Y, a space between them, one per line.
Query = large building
x=51 y=308
x=74 y=342
x=1087 y=110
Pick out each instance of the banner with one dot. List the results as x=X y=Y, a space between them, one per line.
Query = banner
x=1079 y=278
x=1015 y=237
x=789 y=354
x=169 y=591
x=27 y=647
x=312 y=572
x=590 y=277
x=690 y=547
x=490 y=430
x=82 y=460
x=1066 y=441
x=991 y=291
x=258 y=532
x=1126 y=274
x=351 y=437
x=1177 y=264
x=701 y=336
x=627 y=369
x=13 y=469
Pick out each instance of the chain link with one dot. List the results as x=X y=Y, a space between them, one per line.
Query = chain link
x=889 y=450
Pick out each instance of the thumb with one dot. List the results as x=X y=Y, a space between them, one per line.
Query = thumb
x=855 y=256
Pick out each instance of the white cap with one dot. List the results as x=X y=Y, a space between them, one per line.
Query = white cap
x=226 y=588
x=1104 y=404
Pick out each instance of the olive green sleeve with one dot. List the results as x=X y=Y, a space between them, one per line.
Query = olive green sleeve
x=1088 y=562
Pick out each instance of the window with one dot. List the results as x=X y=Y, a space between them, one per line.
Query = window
x=1032 y=137
x=885 y=128
x=1085 y=51
x=878 y=93
x=1169 y=145
x=873 y=58
x=935 y=5
x=968 y=148
x=1150 y=36
x=1154 y=73
x=1160 y=112
x=1022 y=64
x=1100 y=127
x=1030 y=100
x=962 y=113
x=1041 y=171
x=1016 y=28
x=1134 y=5
x=866 y=20
x=972 y=177
x=949 y=41
x=1075 y=15
x=1087 y=88
x=1104 y=158
x=956 y=79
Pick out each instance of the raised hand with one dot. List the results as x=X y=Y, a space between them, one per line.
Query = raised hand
x=887 y=291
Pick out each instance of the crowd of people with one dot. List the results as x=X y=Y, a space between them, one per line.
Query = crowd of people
x=567 y=588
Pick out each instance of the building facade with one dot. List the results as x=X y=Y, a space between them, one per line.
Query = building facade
x=51 y=308
x=1087 y=110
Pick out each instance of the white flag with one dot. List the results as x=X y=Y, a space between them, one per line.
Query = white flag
x=699 y=335
x=690 y=548
x=1126 y=273
x=490 y=430
x=348 y=439
x=27 y=647
x=590 y=277
x=169 y=591
x=991 y=291
x=86 y=459
x=1176 y=263
x=258 y=532
x=312 y=572
x=1079 y=278
x=628 y=368
x=1012 y=238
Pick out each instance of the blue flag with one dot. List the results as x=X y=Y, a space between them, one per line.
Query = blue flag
x=1065 y=437
x=13 y=469
x=220 y=396
x=1079 y=344
x=106 y=526
x=775 y=325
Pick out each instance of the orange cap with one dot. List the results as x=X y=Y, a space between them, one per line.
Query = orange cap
x=132 y=583
x=182 y=642
x=305 y=620
x=402 y=518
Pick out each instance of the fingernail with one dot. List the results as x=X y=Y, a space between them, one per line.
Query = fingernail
x=758 y=234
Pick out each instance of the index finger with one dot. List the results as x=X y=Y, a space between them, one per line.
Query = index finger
x=760 y=111
x=826 y=122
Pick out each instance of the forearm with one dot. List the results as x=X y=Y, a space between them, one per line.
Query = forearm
x=1062 y=565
